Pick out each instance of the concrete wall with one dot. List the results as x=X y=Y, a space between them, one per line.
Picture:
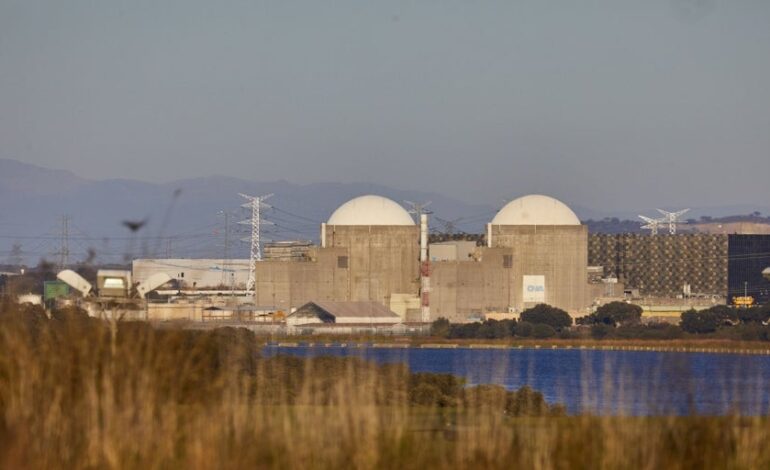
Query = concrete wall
x=381 y=260
x=459 y=250
x=170 y=312
x=558 y=252
x=461 y=290
x=286 y=285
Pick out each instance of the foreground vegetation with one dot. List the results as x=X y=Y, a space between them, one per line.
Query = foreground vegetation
x=79 y=393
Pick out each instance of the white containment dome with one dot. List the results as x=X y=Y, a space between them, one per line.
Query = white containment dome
x=370 y=210
x=536 y=209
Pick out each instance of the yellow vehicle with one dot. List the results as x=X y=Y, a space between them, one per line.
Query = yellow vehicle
x=743 y=301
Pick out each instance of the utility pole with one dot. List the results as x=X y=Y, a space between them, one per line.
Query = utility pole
x=255 y=204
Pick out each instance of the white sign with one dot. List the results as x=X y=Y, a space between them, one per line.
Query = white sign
x=533 y=290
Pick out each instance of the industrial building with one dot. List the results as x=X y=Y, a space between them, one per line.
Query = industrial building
x=343 y=313
x=535 y=250
x=536 y=253
x=371 y=251
x=718 y=266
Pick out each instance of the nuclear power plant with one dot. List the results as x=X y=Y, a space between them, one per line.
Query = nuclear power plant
x=372 y=250
x=372 y=254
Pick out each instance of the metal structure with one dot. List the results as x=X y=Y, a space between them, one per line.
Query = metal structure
x=669 y=218
x=450 y=226
x=64 y=248
x=418 y=208
x=652 y=224
x=672 y=219
x=660 y=266
x=255 y=204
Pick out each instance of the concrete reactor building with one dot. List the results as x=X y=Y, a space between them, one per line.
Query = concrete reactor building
x=536 y=252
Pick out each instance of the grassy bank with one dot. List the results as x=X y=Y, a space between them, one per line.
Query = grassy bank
x=80 y=393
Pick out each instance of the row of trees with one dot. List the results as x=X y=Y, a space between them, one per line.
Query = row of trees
x=541 y=321
x=615 y=320
x=721 y=317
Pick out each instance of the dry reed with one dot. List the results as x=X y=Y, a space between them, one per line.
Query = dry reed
x=79 y=393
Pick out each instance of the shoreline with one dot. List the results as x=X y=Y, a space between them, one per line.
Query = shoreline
x=711 y=347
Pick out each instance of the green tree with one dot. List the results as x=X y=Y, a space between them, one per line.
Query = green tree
x=619 y=314
x=614 y=314
x=524 y=329
x=440 y=327
x=541 y=331
x=753 y=314
x=725 y=314
x=699 y=322
x=554 y=317
x=600 y=331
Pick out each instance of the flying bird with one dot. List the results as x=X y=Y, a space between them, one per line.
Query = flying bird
x=134 y=225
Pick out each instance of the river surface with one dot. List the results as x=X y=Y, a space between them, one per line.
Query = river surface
x=597 y=381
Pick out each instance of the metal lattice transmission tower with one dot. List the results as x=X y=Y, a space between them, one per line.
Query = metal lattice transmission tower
x=64 y=247
x=256 y=204
x=418 y=208
x=672 y=218
x=652 y=224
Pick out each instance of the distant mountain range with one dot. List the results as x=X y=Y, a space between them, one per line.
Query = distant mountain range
x=183 y=217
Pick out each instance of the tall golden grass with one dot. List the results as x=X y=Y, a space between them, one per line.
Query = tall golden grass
x=80 y=393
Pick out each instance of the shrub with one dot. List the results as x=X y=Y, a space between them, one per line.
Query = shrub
x=528 y=402
x=614 y=314
x=725 y=314
x=745 y=332
x=524 y=329
x=435 y=389
x=493 y=329
x=699 y=322
x=600 y=331
x=440 y=327
x=544 y=314
x=753 y=315
x=464 y=330
x=650 y=331
x=522 y=402
x=619 y=314
x=541 y=331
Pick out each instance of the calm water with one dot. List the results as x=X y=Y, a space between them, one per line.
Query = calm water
x=607 y=382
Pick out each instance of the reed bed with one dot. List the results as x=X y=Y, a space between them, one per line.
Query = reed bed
x=81 y=393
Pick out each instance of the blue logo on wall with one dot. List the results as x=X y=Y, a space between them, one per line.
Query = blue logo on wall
x=535 y=289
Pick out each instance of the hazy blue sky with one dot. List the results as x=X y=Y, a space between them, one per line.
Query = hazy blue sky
x=606 y=104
